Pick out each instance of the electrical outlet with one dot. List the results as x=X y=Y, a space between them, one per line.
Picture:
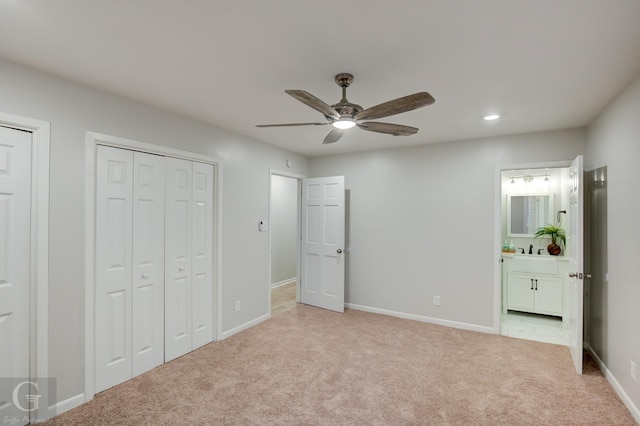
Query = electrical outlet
x=237 y=306
x=436 y=300
x=632 y=370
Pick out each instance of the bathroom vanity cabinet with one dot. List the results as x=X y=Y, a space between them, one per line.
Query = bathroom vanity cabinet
x=534 y=284
x=536 y=293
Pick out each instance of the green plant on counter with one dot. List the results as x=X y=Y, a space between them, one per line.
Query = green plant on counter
x=554 y=232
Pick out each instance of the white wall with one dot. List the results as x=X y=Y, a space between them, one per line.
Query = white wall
x=73 y=109
x=421 y=221
x=284 y=228
x=614 y=141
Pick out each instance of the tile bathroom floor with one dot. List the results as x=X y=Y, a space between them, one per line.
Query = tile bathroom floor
x=540 y=328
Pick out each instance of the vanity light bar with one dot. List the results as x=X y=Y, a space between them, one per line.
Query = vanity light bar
x=529 y=178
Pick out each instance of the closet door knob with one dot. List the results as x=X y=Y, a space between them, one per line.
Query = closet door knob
x=181 y=268
x=145 y=276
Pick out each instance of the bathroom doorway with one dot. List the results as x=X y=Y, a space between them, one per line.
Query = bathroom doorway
x=533 y=297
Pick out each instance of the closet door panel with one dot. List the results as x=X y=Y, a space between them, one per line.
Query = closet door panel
x=113 y=266
x=148 y=262
x=202 y=263
x=178 y=240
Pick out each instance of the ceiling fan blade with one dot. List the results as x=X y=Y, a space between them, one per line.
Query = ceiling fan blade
x=333 y=136
x=315 y=103
x=392 y=129
x=396 y=106
x=291 y=124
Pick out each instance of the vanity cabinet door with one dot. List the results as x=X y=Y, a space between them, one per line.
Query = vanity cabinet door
x=519 y=292
x=548 y=297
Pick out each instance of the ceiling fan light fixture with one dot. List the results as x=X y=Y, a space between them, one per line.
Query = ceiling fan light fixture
x=344 y=123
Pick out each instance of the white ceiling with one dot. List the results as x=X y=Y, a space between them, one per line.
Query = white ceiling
x=541 y=64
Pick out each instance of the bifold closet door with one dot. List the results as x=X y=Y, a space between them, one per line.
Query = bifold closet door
x=129 y=264
x=114 y=237
x=178 y=195
x=148 y=262
x=188 y=256
x=202 y=253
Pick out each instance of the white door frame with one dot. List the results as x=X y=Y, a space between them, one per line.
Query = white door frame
x=92 y=140
x=274 y=172
x=39 y=257
x=497 y=229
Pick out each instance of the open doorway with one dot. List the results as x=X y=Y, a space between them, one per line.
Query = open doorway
x=534 y=299
x=284 y=220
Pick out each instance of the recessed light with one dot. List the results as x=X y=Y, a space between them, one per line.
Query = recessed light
x=491 y=117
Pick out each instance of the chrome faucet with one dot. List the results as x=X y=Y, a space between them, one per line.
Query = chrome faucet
x=530 y=248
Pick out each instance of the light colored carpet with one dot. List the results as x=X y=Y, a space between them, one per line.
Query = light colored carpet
x=315 y=367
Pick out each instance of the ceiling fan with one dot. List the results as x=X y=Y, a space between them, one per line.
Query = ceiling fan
x=345 y=115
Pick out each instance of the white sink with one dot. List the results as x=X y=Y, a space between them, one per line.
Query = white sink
x=533 y=263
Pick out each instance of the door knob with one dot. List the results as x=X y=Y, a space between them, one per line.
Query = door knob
x=145 y=276
x=181 y=268
x=579 y=275
x=339 y=251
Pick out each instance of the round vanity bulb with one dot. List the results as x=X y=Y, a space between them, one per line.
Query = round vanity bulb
x=344 y=123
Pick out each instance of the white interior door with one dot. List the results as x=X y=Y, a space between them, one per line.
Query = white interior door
x=323 y=257
x=178 y=302
x=148 y=262
x=576 y=262
x=114 y=238
x=15 y=201
x=202 y=255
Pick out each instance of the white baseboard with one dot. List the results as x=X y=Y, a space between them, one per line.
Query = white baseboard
x=283 y=282
x=249 y=324
x=421 y=318
x=66 y=405
x=615 y=384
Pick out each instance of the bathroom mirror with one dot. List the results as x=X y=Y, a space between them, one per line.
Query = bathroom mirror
x=527 y=212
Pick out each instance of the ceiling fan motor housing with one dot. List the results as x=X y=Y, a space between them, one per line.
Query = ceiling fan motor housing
x=346 y=109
